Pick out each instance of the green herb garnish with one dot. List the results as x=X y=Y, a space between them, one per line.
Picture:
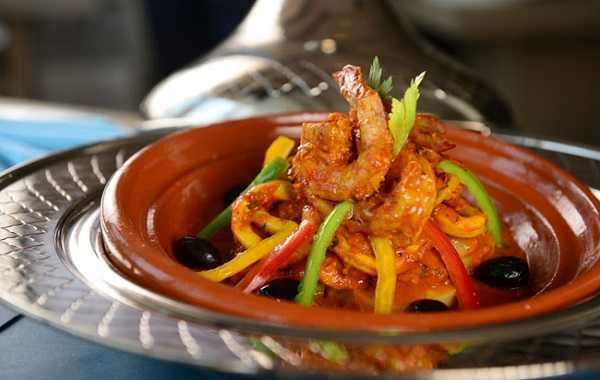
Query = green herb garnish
x=375 y=74
x=404 y=113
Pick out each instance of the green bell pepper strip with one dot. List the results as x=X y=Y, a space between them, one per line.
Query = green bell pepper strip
x=481 y=196
x=308 y=285
x=269 y=172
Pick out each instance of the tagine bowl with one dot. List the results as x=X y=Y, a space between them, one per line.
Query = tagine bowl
x=176 y=185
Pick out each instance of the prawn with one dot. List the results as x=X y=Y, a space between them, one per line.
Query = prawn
x=322 y=164
x=406 y=208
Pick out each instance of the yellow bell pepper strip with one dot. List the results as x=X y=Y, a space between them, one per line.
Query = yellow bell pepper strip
x=482 y=197
x=467 y=295
x=282 y=146
x=385 y=289
x=264 y=271
x=248 y=238
x=246 y=212
x=334 y=220
x=248 y=257
x=270 y=172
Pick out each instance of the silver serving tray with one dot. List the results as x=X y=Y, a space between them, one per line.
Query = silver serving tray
x=52 y=268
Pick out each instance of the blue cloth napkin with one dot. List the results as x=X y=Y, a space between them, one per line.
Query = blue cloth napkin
x=22 y=140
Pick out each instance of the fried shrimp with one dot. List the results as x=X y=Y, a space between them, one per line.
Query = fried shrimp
x=406 y=208
x=322 y=165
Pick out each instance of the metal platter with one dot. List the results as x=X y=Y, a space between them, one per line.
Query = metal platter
x=52 y=268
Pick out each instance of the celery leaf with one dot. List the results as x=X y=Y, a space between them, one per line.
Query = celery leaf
x=404 y=113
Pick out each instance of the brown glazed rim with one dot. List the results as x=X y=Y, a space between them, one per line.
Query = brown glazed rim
x=137 y=254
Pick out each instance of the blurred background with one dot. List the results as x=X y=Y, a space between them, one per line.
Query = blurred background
x=106 y=53
x=537 y=59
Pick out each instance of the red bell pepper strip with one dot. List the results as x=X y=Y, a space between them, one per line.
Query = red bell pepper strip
x=465 y=289
x=264 y=271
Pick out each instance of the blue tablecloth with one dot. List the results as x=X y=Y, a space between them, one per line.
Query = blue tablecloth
x=30 y=350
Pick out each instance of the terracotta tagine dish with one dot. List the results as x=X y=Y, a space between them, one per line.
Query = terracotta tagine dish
x=177 y=185
x=546 y=231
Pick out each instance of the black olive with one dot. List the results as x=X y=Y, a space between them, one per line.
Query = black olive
x=426 y=306
x=232 y=194
x=281 y=288
x=197 y=254
x=503 y=272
